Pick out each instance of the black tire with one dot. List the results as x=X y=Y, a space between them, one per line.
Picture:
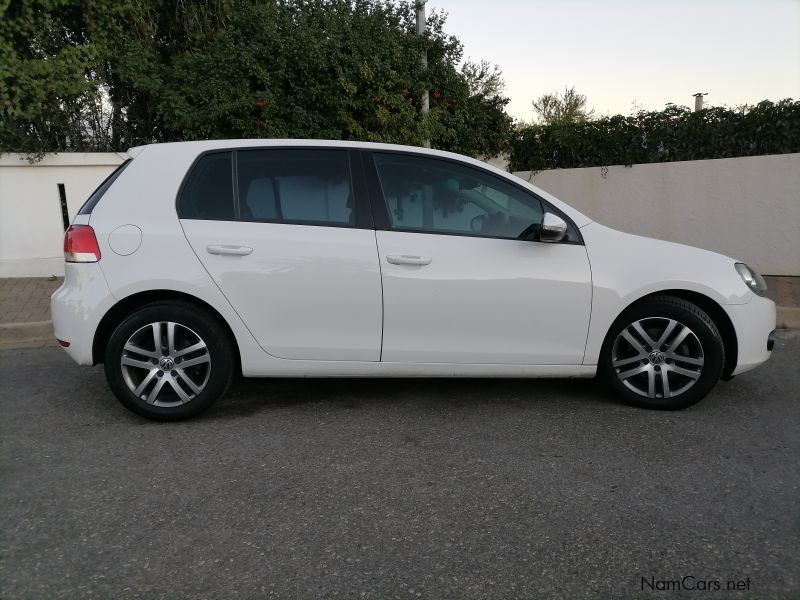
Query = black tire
x=702 y=343
x=191 y=323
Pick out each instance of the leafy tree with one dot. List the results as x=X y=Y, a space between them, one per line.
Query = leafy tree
x=569 y=107
x=44 y=91
x=476 y=123
x=163 y=70
x=676 y=133
x=484 y=78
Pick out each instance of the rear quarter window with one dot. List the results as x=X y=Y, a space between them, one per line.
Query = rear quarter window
x=207 y=192
x=92 y=201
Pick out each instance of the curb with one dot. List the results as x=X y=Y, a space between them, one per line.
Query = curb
x=26 y=335
x=788 y=317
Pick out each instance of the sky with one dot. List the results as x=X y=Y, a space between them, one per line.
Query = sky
x=626 y=55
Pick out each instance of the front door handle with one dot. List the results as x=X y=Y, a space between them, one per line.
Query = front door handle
x=228 y=249
x=407 y=259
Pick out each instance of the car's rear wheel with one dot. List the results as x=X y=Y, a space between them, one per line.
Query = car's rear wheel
x=169 y=361
x=663 y=353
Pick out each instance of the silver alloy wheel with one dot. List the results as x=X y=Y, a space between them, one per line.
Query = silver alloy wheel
x=657 y=357
x=165 y=364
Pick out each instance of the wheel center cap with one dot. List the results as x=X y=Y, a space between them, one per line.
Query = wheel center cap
x=166 y=364
x=657 y=357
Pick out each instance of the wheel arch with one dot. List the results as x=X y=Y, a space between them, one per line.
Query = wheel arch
x=711 y=308
x=135 y=301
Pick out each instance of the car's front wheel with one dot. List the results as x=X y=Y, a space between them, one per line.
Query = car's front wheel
x=169 y=361
x=663 y=353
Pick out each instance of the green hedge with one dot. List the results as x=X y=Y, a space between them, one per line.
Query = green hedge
x=676 y=133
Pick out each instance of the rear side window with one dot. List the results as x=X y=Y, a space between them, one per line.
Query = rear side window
x=92 y=201
x=295 y=186
x=208 y=191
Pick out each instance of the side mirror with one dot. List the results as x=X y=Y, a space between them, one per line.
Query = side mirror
x=554 y=228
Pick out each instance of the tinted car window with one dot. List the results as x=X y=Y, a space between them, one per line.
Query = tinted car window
x=295 y=186
x=208 y=192
x=92 y=201
x=440 y=196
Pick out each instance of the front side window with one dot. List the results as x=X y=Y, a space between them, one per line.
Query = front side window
x=208 y=191
x=441 y=196
x=296 y=186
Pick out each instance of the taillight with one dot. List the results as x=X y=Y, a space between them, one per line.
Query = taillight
x=80 y=245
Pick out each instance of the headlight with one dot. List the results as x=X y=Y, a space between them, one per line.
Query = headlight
x=753 y=280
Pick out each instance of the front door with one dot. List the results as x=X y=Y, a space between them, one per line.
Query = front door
x=459 y=286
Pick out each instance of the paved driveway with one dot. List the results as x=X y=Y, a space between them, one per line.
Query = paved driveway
x=398 y=489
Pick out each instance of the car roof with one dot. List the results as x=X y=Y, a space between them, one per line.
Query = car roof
x=199 y=146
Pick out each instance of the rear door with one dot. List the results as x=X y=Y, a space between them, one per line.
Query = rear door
x=287 y=236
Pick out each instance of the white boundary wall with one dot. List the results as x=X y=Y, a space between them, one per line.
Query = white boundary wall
x=31 y=225
x=748 y=208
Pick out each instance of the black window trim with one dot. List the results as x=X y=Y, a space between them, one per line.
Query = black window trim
x=381 y=213
x=235 y=184
x=88 y=206
x=362 y=210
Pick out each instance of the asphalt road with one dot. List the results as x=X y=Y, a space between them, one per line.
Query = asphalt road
x=398 y=489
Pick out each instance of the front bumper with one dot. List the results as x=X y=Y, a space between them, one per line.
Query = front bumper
x=754 y=323
x=77 y=308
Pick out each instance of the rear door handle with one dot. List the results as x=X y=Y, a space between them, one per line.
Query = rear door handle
x=407 y=259
x=228 y=249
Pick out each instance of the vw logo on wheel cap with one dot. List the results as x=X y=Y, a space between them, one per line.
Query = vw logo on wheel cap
x=166 y=364
x=657 y=357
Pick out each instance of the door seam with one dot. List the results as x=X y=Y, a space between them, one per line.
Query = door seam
x=383 y=304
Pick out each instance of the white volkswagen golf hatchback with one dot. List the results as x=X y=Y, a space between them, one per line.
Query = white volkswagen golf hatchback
x=196 y=261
